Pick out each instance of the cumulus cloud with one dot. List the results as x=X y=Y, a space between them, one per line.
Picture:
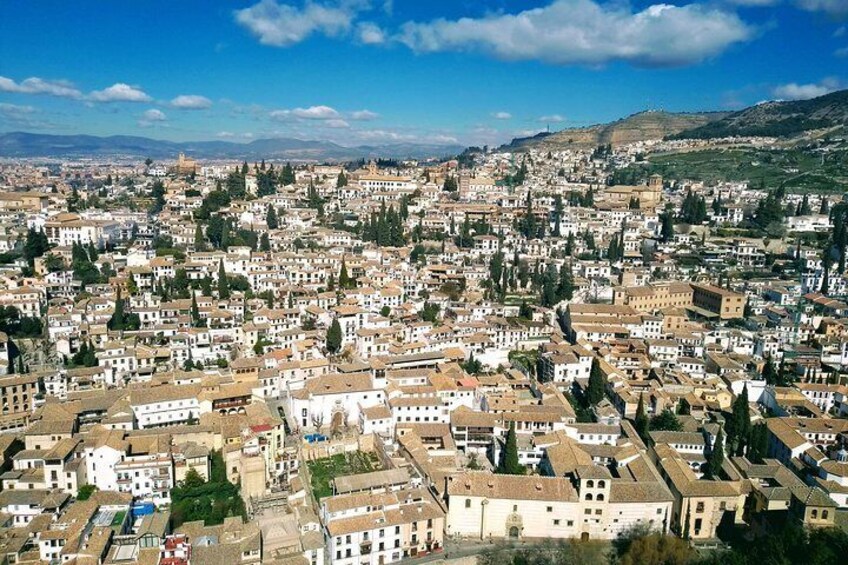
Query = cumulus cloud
x=502 y=115
x=35 y=85
x=370 y=33
x=833 y=8
x=152 y=117
x=585 y=32
x=120 y=92
x=795 y=91
x=364 y=115
x=191 y=102
x=311 y=113
x=283 y=25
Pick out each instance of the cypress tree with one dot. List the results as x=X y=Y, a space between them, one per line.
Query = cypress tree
x=595 y=389
x=641 y=421
x=199 y=240
x=117 y=321
x=334 y=337
x=264 y=243
x=509 y=464
x=716 y=457
x=271 y=218
x=223 y=284
x=344 y=280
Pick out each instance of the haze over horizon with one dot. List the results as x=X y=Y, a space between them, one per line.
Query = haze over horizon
x=381 y=71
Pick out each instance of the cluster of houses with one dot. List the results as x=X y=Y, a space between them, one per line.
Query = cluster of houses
x=421 y=360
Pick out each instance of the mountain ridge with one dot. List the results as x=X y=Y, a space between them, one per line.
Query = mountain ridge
x=35 y=145
x=641 y=126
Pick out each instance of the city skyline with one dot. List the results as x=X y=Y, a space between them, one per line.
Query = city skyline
x=369 y=72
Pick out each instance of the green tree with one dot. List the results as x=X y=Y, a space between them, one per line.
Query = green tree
x=641 y=421
x=769 y=372
x=739 y=423
x=334 y=337
x=85 y=492
x=158 y=194
x=344 y=280
x=341 y=180
x=264 y=243
x=716 y=458
x=271 y=218
x=665 y=421
x=132 y=286
x=596 y=388
x=223 y=284
x=509 y=464
x=116 y=322
x=199 y=240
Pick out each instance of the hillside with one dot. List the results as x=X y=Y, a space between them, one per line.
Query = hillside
x=22 y=144
x=638 y=127
x=777 y=119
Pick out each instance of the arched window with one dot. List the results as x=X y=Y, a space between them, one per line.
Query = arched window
x=589 y=496
x=590 y=484
x=601 y=484
x=815 y=514
x=824 y=514
x=600 y=497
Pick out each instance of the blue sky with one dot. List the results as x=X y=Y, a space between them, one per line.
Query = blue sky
x=377 y=71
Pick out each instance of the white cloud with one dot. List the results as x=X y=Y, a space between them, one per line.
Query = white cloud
x=840 y=32
x=841 y=52
x=35 y=85
x=15 y=110
x=585 y=32
x=833 y=8
x=364 y=115
x=152 y=117
x=370 y=33
x=191 y=102
x=311 y=113
x=315 y=113
x=283 y=25
x=502 y=115
x=553 y=118
x=336 y=123
x=120 y=92
x=795 y=91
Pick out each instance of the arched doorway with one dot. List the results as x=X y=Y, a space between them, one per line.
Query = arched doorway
x=514 y=532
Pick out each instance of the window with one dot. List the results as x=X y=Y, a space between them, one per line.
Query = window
x=550 y=508
x=824 y=514
x=588 y=496
x=699 y=507
x=598 y=512
x=588 y=511
x=815 y=514
x=556 y=522
x=590 y=484
x=569 y=523
x=601 y=484
x=468 y=503
x=600 y=497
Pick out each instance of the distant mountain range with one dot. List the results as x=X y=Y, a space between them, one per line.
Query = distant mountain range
x=771 y=119
x=22 y=144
